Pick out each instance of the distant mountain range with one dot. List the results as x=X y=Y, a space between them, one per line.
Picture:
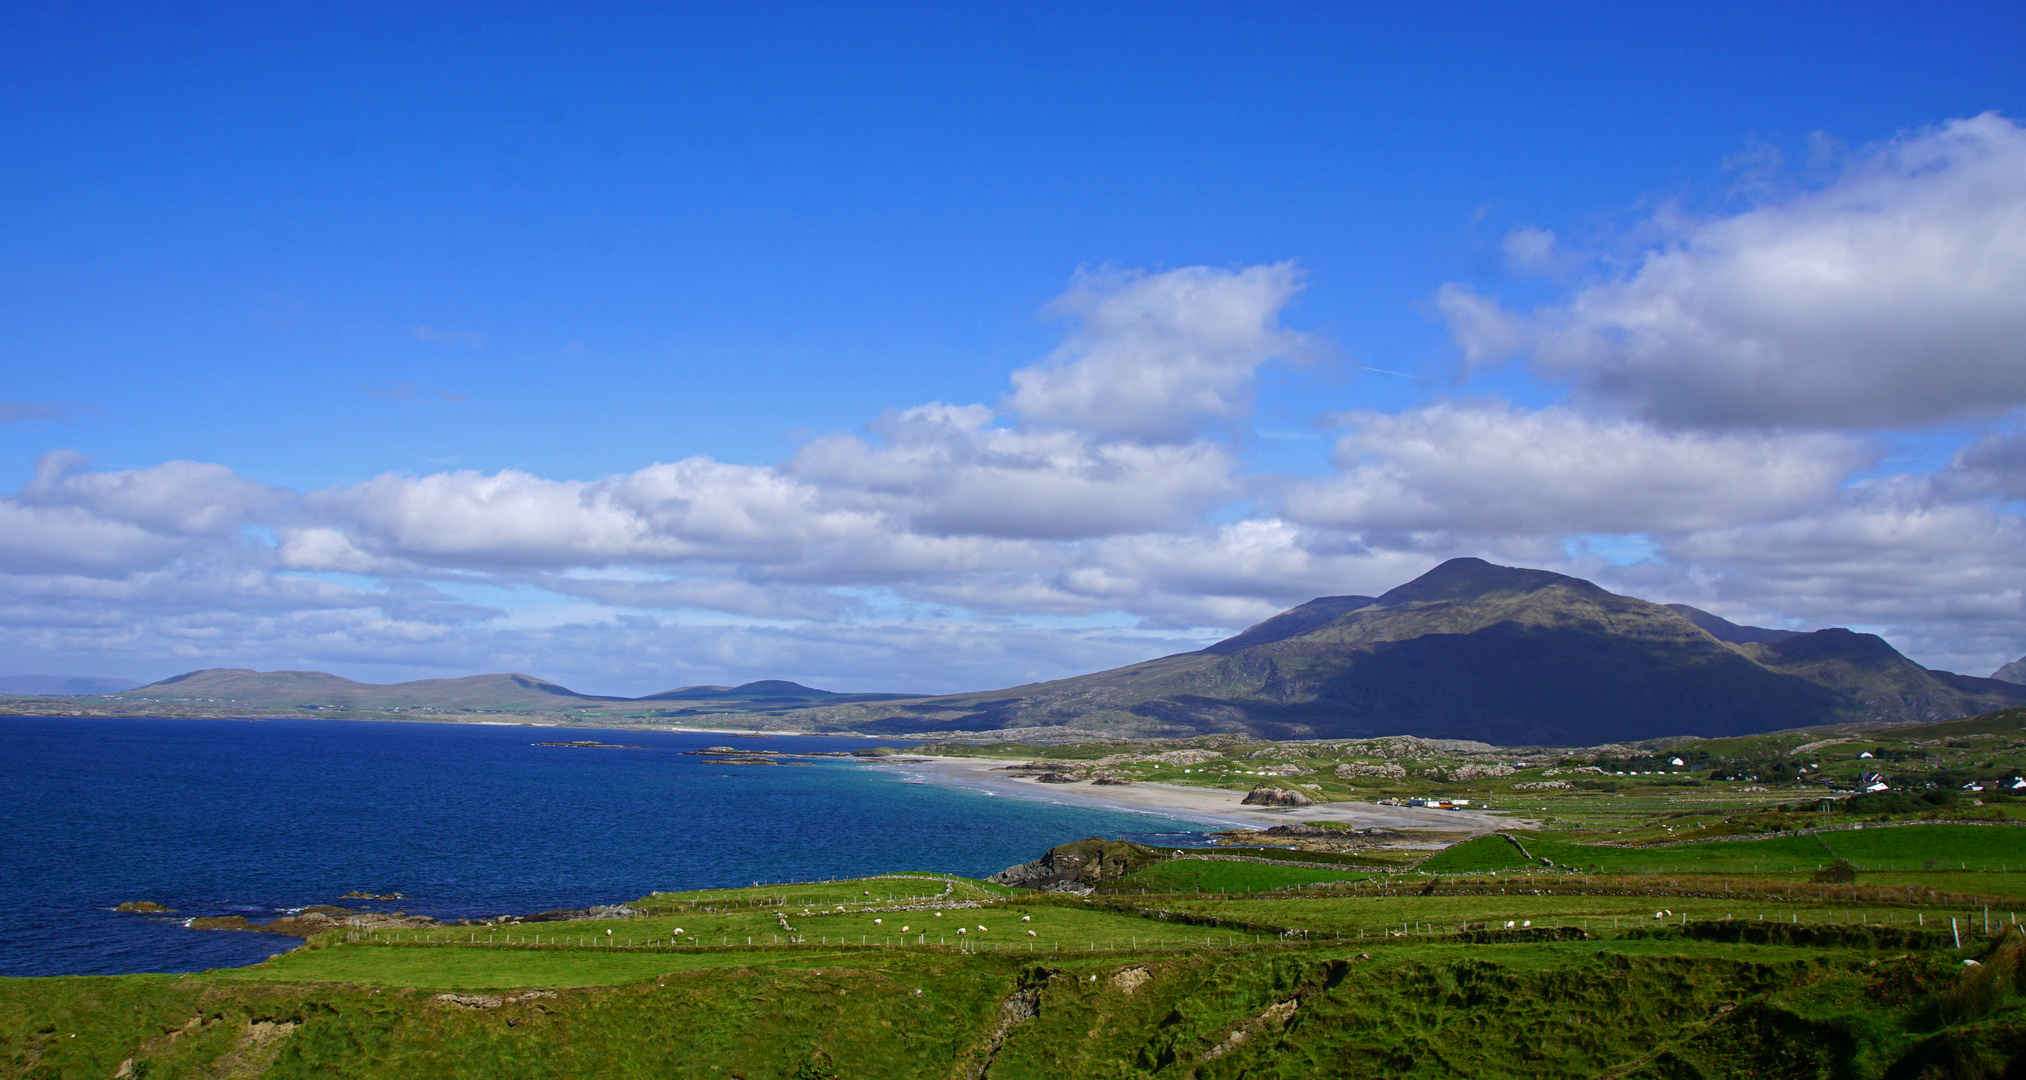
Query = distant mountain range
x=1475 y=651
x=317 y=690
x=1468 y=650
x=62 y=685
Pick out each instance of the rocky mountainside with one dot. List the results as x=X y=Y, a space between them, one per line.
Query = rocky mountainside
x=2014 y=672
x=1474 y=651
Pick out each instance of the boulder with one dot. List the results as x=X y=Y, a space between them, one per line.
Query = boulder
x=1079 y=867
x=143 y=907
x=1269 y=795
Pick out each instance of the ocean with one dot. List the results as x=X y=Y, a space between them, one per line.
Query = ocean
x=218 y=817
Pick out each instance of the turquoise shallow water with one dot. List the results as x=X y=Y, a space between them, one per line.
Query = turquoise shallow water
x=222 y=816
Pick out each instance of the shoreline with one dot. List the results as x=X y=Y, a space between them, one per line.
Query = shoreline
x=1207 y=806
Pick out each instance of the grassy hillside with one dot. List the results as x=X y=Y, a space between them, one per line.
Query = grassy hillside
x=1372 y=974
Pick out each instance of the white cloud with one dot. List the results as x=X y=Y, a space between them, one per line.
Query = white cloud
x=1895 y=295
x=176 y=498
x=1488 y=468
x=1154 y=355
x=942 y=471
x=1530 y=248
x=1097 y=519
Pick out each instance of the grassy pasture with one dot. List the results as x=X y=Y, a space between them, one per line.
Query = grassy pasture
x=1194 y=875
x=1374 y=983
x=1900 y=849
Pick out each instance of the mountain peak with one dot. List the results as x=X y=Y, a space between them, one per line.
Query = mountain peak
x=1475 y=579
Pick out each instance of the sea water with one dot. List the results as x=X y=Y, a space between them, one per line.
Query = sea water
x=254 y=818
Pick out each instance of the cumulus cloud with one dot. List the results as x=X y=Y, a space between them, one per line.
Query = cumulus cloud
x=1097 y=515
x=1485 y=467
x=1153 y=355
x=942 y=471
x=696 y=508
x=175 y=498
x=1894 y=295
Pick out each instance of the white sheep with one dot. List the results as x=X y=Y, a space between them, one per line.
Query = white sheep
x=1030 y=933
x=960 y=930
x=1026 y=918
x=981 y=928
x=876 y=922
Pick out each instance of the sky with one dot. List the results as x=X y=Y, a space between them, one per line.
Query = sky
x=950 y=347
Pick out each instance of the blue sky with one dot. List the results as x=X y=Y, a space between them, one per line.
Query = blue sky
x=353 y=329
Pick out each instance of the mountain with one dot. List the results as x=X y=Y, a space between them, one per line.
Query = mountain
x=1724 y=630
x=321 y=690
x=764 y=692
x=2014 y=672
x=238 y=689
x=1471 y=650
x=62 y=685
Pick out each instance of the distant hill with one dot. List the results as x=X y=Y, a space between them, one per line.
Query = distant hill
x=321 y=690
x=2014 y=672
x=764 y=691
x=1471 y=650
x=317 y=690
x=62 y=685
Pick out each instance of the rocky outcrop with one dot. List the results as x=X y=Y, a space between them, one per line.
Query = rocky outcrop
x=1079 y=867
x=1473 y=772
x=144 y=907
x=1270 y=795
x=1353 y=769
x=1057 y=778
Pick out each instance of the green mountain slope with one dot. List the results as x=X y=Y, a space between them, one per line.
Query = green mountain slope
x=1475 y=651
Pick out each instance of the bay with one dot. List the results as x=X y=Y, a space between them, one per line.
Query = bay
x=214 y=817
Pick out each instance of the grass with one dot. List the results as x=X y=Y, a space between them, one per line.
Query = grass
x=1199 y=875
x=1189 y=967
x=1655 y=1003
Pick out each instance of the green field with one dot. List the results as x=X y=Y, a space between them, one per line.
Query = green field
x=1314 y=973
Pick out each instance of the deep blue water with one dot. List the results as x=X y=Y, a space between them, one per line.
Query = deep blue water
x=223 y=816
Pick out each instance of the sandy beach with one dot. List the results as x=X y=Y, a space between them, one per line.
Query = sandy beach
x=1207 y=806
